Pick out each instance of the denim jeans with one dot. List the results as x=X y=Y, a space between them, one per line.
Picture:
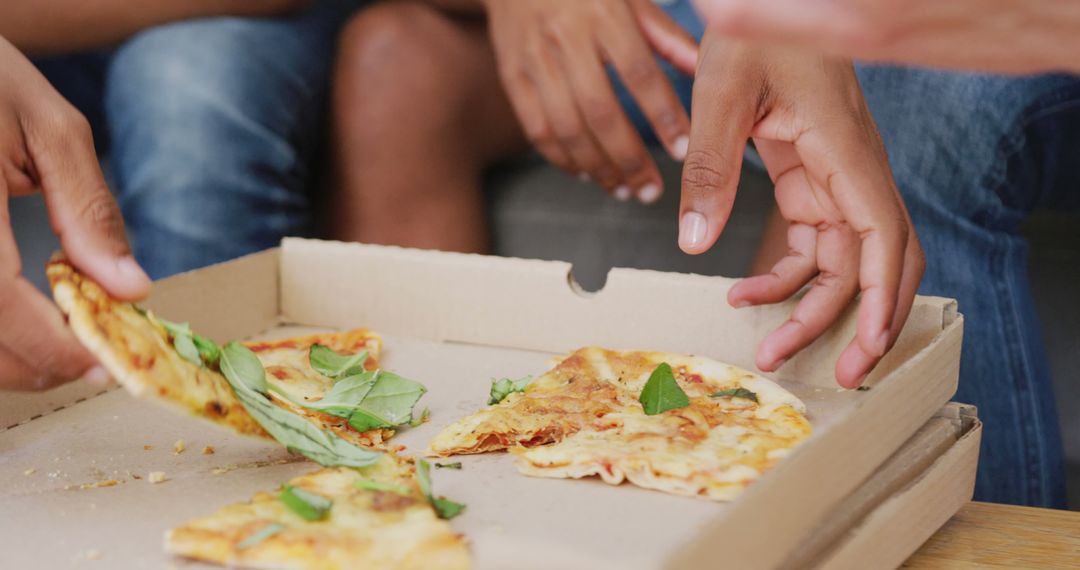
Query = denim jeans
x=211 y=129
x=972 y=156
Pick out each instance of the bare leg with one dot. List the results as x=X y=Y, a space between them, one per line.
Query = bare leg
x=418 y=115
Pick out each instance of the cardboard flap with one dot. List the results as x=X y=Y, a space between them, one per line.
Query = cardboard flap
x=535 y=305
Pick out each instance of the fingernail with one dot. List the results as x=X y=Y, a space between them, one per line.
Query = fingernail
x=649 y=193
x=128 y=268
x=691 y=231
x=584 y=177
x=97 y=376
x=882 y=343
x=623 y=193
x=680 y=147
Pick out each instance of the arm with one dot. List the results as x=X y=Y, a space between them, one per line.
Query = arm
x=46 y=146
x=47 y=26
x=989 y=35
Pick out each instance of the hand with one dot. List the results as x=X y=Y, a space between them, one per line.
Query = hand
x=849 y=230
x=46 y=145
x=989 y=35
x=552 y=55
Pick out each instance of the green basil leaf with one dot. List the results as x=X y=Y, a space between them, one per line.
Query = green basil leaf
x=445 y=508
x=662 y=393
x=419 y=420
x=454 y=465
x=345 y=395
x=259 y=536
x=246 y=376
x=310 y=506
x=331 y=364
x=240 y=365
x=503 y=387
x=370 y=485
x=209 y=351
x=186 y=348
x=392 y=398
x=362 y=421
x=735 y=393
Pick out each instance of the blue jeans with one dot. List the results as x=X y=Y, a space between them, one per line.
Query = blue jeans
x=211 y=129
x=973 y=155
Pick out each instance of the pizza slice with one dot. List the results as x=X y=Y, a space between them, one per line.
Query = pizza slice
x=577 y=390
x=155 y=359
x=720 y=428
x=376 y=517
x=137 y=351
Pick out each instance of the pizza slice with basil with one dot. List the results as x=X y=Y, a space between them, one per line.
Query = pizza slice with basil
x=379 y=517
x=332 y=380
x=681 y=424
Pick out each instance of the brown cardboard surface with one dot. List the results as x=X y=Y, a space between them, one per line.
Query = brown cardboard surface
x=455 y=322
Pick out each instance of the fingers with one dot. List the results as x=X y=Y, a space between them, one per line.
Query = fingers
x=855 y=363
x=81 y=209
x=789 y=274
x=647 y=83
x=530 y=113
x=570 y=130
x=40 y=350
x=606 y=121
x=832 y=291
x=668 y=38
x=724 y=105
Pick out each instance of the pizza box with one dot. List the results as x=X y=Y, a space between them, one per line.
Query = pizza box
x=74 y=463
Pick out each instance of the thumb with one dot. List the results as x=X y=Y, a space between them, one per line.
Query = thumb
x=82 y=212
x=668 y=38
x=723 y=111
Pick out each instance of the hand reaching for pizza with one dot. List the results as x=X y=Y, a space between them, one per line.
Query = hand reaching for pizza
x=849 y=230
x=551 y=56
x=46 y=145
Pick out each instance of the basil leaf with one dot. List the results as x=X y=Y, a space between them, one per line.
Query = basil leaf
x=246 y=376
x=362 y=421
x=662 y=393
x=186 y=348
x=329 y=363
x=370 y=485
x=345 y=395
x=423 y=417
x=259 y=536
x=735 y=393
x=310 y=506
x=454 y=465
x=445 y=508
x=209 y=351
x=240 y=365
x=503 y=387
x=392 y=398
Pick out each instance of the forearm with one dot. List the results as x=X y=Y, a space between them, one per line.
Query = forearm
x=48 y=26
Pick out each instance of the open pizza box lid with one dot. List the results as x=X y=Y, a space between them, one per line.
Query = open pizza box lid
x=74 y=464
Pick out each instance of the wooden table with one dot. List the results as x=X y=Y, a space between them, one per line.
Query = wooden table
x=985 y=535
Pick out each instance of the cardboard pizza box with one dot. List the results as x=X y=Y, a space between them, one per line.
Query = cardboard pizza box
x=74 y=465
